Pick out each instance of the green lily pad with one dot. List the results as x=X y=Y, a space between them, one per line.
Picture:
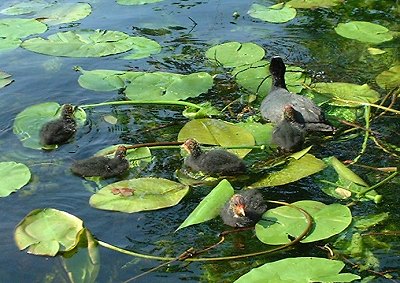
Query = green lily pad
x=389 y=79
x=137 y=156
x=295 y=170
x=217 y=132
x=19 y=28
x=278 y=13
x=48 y=231
x=13 y=176
x=299 y=270
x=210 y=206
x=364 y=32
x=61 y=13
x=102 y=80
x=84 y=43
x=145 y=194
x=144 y=48
x=257 y=79
x=137 y=2
x=5 y=79
x=312 y=4
x=233 y=54
x=262 y=133
x=206 y=111
x=25 y=7
x=279 y=224
x=346 y=91
x=28 y=122
x=9 y=43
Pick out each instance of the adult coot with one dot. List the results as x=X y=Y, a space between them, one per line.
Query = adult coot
x=216 y=162
x=60 y=130
x=244 y=209
x=305 y=111
x=288 y=134
x=102 y=166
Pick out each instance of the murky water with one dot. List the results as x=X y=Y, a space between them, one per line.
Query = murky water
x=193 y=26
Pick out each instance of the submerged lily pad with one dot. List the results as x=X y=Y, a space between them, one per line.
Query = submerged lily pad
x=233 y=54
x=364 y=32
x=137 y=2
x=145 y=194
x=295 y=170
x=19 y=28
x=311 y=4
x=48 y=231
x=210 y=206
x=278 y=13
x=389 y=79
x=13 y=176
x=217 y=132
x=5 y=79
x=279 y=224
x=299 y=270
x=28 y=122
x=84 y=43
x=346 y=91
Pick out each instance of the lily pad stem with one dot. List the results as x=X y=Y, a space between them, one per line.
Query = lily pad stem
x=387 y=179
x=129 y=102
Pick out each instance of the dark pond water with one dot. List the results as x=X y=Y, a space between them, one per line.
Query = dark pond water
x=307 y=41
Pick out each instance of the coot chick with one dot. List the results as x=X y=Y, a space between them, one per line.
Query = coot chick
x=244 y=209
x=216 y=162
x=101 y=166
x=306 y=112
x=60 y=130
x=288 y=135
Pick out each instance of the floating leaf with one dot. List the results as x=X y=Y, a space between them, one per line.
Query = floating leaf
x=344 y=172
x=9 y=43
x=311 y=4
x=144 y=48
x=389 y=79
x=262 y=133
x=5 y=78
x=137 y=156
x=148 y=194
x=364 y=32
x=101 y=80
x=206 y=110
x=61 y=13
x=25 y=7
x=28 y=122
x=375 y=51
x=295 y=170
x=210 y=206
x=110 y=119
x=279 y=224
x=233 y=54
x=299 y=270
x=137 y=2
x=346 y=91
x=217 y=132
x=18 y=28
x=48 y=231
x=84 y=43
x=13 y=176
x=278 y=13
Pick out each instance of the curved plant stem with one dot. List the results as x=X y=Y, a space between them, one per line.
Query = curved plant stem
x=387 y=179
x=368 y=104
x=189 y=256
x=129 y=102
x=367 y=117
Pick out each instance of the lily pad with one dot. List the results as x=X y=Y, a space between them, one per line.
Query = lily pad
x=146 y=194
x=279 y=224
x=143 y=48
x=210 y=206
x=9 y=43
x=28 y=122
x=48 y=231
x=299 y=270
x=19 y=28
x=61 y=13
x=295 y=170
x=278 y=13
x=27 y=7
x=137 y=2
x=5 y=79
x=262 y=133
x=364 y=32
x=389 y=79
x=13 y=176
x=136 y=156
x=233 y=54
x=102 y=80
x=312 y=4
x=217 y=132
x=346 y=91
x=84 y=43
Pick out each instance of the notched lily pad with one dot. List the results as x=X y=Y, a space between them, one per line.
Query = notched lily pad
x=364 y=32
x=279 y=13
x=233 y=54
x=84 y=43
x=13 y=177
x=48 y=231
x=279 y=224
x=299 y=270
x=146 y=194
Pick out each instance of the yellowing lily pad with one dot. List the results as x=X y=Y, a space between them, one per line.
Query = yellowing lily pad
x=389 y=79
x=144 y=194
x=311 y=4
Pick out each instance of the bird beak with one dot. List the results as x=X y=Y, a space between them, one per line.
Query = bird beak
x=240 y=210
